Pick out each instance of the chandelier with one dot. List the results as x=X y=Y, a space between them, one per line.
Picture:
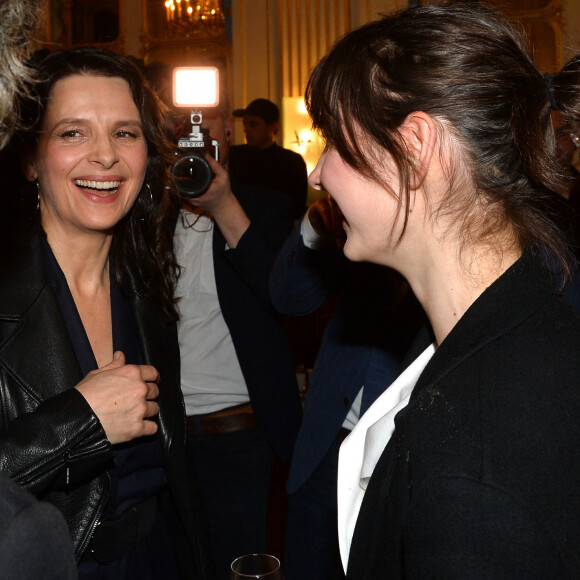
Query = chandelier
x=193 y=17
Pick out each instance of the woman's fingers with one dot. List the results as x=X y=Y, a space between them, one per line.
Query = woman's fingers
x=124 y=399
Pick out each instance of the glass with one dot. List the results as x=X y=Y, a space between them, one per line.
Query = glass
x=258 y=566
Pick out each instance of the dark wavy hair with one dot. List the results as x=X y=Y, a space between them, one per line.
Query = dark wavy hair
x=566 y=85
x=143 y=239
x=468 y=68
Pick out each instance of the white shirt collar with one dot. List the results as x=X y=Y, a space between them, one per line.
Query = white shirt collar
x=362 y=449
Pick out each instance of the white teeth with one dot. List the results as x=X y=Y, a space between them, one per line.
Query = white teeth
x=97 y=184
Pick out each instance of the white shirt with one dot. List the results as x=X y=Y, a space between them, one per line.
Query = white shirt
x=362 y=449
x=211 y=377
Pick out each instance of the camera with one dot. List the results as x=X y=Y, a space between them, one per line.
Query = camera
x=191 y=172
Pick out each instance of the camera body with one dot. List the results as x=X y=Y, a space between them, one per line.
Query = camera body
x=191 y=172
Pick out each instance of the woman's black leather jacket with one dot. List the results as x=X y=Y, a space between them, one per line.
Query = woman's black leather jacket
x=51 y=442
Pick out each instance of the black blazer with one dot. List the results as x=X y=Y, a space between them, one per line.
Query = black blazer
x=273 y=168
x=261 y=344
x=51 y=442
x=481 y=478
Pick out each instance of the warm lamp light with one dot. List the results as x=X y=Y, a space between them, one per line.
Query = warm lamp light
x=195 y=86
x=299 y=136
x=191 y=17
x=298 y=133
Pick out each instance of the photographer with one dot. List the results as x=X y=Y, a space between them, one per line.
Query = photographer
x=237 y=370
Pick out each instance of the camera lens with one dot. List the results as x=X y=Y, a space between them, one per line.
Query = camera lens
x=192 y=175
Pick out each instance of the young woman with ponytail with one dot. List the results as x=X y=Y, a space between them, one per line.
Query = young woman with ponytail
x=440 y=155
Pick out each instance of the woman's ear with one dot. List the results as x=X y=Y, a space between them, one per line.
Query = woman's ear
x=420 y=134
x=29 y=169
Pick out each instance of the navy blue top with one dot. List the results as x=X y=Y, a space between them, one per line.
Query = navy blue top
x=137 y=472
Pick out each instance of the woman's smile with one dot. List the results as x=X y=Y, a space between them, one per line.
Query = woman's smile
x=104 y=188
x=369 y=211
x=100 y=190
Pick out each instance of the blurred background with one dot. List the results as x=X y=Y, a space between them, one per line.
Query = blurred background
x=266 y=48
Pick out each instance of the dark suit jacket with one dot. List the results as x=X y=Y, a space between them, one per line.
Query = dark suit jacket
x=261 y=344
x=363 y=344
x=34 y=539
x=481 y=478
x=274 y=168
x=51 y=442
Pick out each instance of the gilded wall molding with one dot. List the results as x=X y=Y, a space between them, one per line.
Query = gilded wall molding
x=545 y=26
x=58 y=30
x=154 y=39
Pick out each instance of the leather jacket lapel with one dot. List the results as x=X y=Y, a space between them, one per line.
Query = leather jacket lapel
x=32 y=330
x=158 y=339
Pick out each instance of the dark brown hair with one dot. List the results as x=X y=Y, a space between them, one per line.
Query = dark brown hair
x=468 y=68
x=143 y=239
x=566 y=85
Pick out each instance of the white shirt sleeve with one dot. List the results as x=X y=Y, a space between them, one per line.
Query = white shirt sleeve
x=312 y=239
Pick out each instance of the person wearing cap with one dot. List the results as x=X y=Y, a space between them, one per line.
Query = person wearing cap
x=262 y=162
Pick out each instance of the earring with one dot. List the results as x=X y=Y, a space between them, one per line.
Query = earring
x=37 y=195
x=142 y=219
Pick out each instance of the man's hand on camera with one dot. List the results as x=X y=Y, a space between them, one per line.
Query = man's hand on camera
x=219 y=193
x=224 y=206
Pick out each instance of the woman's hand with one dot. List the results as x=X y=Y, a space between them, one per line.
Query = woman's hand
x=123 y=398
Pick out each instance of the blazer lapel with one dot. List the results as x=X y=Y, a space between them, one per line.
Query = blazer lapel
x=504 y=305
x=374 y=515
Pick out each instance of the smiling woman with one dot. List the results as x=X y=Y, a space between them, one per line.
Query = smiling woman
x=92 y=410
x=89 y=162
x=441 y=158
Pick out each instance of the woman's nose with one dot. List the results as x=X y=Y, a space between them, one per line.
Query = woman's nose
x=314 y=177
x=104 y=152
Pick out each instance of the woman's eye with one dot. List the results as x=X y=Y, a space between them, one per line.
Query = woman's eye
x=70 y=134
x=126 y=134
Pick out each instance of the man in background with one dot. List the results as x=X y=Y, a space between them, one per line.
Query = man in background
x=262 y=162
x=237 y=370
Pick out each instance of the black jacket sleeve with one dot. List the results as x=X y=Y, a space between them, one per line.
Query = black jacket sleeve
x=270 y=216
x=59 y=444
